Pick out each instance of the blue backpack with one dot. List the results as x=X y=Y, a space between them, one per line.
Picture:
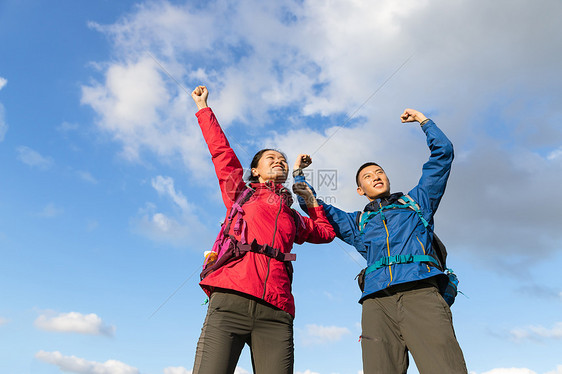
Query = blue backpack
x=448 y=281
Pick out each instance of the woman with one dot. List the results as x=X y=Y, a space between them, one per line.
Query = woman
x=250 y=296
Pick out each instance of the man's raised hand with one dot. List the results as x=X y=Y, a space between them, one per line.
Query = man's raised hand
x=412 y=115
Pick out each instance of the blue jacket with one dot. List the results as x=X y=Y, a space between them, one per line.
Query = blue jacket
x=407 y=234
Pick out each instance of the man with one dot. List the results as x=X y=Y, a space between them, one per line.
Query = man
x=402 y=307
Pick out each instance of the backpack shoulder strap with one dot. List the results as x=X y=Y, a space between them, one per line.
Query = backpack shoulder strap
x=438 y=246
x=410 y=203
x=296 y=219
x=236 y=209
x=363 y=218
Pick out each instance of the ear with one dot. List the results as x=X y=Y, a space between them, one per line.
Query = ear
x=254 y=172
x=360 y=191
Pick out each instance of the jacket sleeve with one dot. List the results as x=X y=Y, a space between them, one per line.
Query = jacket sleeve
x=315 y=229
x=436 y=170
x=227 y=166
x=345 y=226
x=344 y=223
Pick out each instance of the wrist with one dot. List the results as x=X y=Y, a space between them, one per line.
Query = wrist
x=298 y=173
x=311 y=202
x=424 y=121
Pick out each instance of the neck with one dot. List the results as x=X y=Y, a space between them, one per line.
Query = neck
x=379 y=197
x=273 y=180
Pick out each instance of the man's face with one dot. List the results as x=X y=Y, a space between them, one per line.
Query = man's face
x=373 y=183
x=271 y=166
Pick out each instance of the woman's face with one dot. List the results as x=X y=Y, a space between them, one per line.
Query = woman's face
x=272 y=166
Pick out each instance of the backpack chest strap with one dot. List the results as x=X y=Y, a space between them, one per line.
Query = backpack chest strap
x=400 y=259
x=264 y=249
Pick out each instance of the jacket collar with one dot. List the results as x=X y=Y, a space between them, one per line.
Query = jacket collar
x=384 y=201
x=277 y=189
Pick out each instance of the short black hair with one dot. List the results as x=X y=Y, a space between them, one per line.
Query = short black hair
x=256 y=160
x=366 y=164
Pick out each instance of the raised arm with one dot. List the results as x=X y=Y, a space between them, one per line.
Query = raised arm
x=227 y=166
x=436 y=170
x=316 y=229
x=343 y=223
x=305 y=194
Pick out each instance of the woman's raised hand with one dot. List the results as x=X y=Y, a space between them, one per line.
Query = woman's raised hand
x=200 y=95
x=303 y=160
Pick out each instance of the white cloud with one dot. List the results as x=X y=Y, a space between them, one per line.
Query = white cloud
x=136 y=110
x=67 y=127
x=51 y=211
x=33 y=158
x=165 y=186
x=308 y=371
x=74 y=322
x=316 y=334
x=87 y=176
x=176 y=370
x=182 y=370
x=541 y=291
x=73 y=364
x=3 y=82
x=3 y=321
x=510 y=371
x=132 y=94
x=556 y=154
x=329 y=69
x=177 y=228
x=537 y=332
x=558 y=370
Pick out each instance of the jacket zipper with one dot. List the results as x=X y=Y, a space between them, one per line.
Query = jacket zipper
x=387 y=241
x=272 y=245
x=388 y=249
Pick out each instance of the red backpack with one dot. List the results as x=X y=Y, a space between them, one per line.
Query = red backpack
x=227 y=248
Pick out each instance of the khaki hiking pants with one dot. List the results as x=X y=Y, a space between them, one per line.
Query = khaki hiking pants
x=411 y=317
x=233 y=320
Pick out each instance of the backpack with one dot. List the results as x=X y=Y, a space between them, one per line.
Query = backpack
x=227 y=248
x=448 y=281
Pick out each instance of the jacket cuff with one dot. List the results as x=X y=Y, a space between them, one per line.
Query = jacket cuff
x=317 y=211
x=427 y=124
x=203 y=111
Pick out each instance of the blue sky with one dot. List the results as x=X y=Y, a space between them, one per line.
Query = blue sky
x=108 y=197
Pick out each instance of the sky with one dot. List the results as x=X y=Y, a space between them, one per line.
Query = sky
x=108 y=197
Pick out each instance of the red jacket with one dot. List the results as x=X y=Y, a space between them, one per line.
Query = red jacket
x=269 y=220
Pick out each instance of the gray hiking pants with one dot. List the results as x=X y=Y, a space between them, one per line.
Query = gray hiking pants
x=411 y=317
x=234 y=320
